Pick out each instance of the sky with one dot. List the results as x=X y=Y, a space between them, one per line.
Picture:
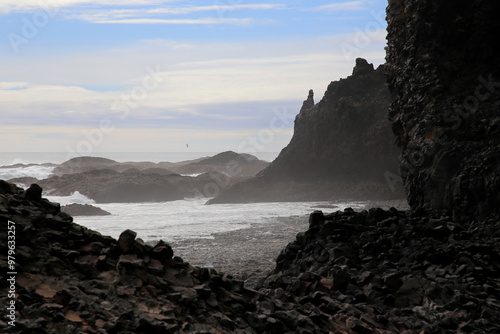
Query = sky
x=86 y=76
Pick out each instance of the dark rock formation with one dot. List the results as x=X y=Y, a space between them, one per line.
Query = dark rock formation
x=84 y=164
x=229 y=163
x=342 y=148
x=392 y=271
x=84 y=210
x=108 y=186
x=71 y=279
x=132 y=185
x=159 y=171
x=444 y=71
x=349 y=273
x=107 y=181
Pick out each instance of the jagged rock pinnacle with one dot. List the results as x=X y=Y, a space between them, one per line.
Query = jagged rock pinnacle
x=309 y=103
x=362 y=67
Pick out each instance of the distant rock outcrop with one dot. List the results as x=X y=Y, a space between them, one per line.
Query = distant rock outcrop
x=444 y=70
x=83 y=164
x=84 y=210
x=229 y=163
x=342 y=148
x=109 y=181
x=108 y=186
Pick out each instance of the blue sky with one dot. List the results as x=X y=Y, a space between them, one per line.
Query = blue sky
x=88 y=76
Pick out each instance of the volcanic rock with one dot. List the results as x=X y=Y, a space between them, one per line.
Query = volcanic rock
x=342 y=148
x=444 y=73
x=84 y=210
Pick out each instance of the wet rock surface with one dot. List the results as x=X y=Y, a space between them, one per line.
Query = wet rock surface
x=350 y=272
x=84 y=210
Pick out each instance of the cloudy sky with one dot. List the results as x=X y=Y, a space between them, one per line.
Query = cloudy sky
x=156 y=75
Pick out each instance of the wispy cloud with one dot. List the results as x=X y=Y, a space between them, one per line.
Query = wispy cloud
x=162 y=15
x=216 y=87
x=244 y=21
x=343 y=6
x=73 y=10
x=157 y=15
x=197 y=78
x=8 y=6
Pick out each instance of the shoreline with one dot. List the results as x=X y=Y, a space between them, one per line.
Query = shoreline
x=247 y=254
x=250 y=253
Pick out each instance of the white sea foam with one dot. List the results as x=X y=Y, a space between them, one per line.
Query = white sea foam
x=190 y=218
x=75 y=197
x=38 y=172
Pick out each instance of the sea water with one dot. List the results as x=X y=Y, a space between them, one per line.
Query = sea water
x=191 y=218
x=169 y=221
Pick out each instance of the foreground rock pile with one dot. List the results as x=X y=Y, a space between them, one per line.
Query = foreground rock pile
x=374 y=271
x=71 y=279
x=391 y=271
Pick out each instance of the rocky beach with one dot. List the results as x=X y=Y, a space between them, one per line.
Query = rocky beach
x=433 y=267
x=375 y=270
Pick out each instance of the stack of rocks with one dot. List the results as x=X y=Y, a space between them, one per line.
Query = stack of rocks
x=392 y=271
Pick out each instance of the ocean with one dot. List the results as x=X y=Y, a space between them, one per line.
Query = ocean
x=169 y=221
x=190 y=218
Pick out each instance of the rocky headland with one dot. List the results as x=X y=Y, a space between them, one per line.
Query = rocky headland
x=342 y=148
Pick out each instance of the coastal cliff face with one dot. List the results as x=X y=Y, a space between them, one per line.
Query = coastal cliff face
x=444 y=72
x=342 y=147
x=342 y=134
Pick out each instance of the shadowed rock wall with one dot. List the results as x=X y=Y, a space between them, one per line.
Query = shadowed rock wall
x=444 y=72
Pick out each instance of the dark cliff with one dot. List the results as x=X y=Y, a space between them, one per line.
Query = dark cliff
x=342 y=147
x=444 y=71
